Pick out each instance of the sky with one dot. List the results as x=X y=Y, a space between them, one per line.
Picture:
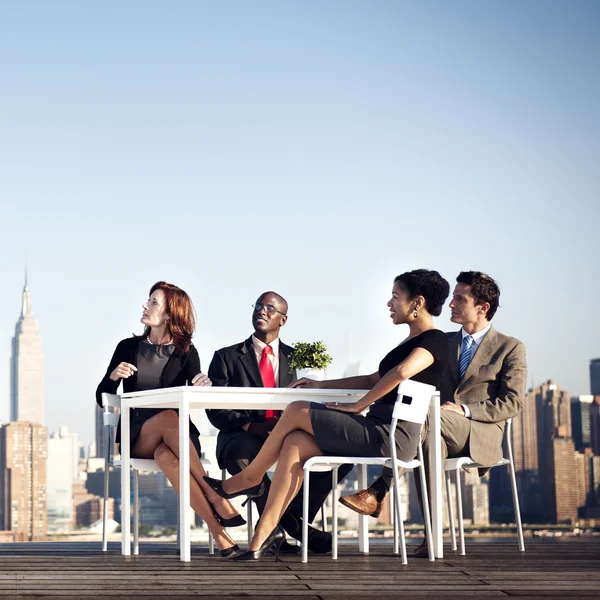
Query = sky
x=313 y=148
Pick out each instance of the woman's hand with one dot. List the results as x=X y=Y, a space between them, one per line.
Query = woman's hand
x=304 y=382
x=201 y=379
x=123 y=371
x=349 y=407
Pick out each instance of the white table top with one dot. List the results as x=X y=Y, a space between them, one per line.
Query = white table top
x=236 y=397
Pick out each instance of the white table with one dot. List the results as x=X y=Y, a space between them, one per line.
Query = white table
x=194 y=397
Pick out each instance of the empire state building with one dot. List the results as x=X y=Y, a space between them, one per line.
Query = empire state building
x=27 y=367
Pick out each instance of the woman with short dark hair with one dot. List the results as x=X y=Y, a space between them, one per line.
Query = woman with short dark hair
x=308 y=429
x=164 y=356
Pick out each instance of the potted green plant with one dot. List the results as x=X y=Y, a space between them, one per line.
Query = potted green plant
x=309 y=359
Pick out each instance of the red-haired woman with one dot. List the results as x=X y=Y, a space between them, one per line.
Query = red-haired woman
x=163 y=356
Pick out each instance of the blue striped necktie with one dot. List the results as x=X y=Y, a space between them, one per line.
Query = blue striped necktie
x=465 y=355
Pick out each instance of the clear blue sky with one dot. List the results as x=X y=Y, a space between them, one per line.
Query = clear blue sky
x=315 y=148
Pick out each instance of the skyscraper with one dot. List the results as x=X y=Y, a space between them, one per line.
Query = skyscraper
x=524 y=435
x=23 y=454
x=24 y=442
x=581 y=421
x=556 y=453
x=27 y=367
x=63 y=463
x=595 y=376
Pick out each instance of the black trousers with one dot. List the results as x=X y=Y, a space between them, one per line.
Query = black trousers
x=241 y=449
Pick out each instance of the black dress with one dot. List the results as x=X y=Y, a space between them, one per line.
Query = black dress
x=158 y=367
x=340 y=433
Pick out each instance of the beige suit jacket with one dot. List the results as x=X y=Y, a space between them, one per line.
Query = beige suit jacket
x=493 y=386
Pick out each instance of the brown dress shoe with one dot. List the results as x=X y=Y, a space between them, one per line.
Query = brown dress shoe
x=364 y=503
x=422 y=550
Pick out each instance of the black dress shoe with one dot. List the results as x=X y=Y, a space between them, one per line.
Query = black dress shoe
x=287 y=548
x=231 y=552
x=319 y=541
x=275 y=539
x=217 y=486
x=236 y=521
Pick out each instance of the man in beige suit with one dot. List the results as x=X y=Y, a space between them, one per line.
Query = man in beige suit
x=482 y=386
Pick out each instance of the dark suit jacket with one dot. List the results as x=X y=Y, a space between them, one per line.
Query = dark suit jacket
x=180 y=369
x=236 y=366
x=493 y=386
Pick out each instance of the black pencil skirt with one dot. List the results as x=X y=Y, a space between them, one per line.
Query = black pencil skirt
x=340 y=433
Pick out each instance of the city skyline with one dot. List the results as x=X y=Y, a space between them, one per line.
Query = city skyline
x=318 y=150
x=28 y=326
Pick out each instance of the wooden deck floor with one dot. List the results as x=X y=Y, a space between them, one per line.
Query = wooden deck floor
x=565 y=568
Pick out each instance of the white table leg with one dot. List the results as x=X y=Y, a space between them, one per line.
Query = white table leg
x=184 y=480
x=436 y=471
x=125 y=481
x=363 y=520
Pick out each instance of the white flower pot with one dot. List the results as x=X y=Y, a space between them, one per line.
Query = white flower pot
x=316 y=374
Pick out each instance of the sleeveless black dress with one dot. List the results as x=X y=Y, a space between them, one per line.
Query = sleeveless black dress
x=340 y=433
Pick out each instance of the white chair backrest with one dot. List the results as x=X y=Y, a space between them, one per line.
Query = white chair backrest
x=413 y=401
x=111 y=418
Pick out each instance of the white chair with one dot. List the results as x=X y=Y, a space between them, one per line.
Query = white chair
x=411 y=405
x=138 y=465
x=466 y=462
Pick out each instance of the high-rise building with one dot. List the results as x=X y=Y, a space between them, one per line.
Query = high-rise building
x=62 y=471
x=581 y=421
x=595 y=425
x=525 y=452
x=556 y=454
x=595 y=377
x=524 y=436
x=583 y=472
x=27 y=367
x=23 y=454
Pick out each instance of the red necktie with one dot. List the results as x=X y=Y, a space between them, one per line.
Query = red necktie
x=268 y=377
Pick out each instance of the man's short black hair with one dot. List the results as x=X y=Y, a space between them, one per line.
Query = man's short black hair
x=483 y=288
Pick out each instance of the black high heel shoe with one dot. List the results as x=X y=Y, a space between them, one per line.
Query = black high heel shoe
x=217 y=486
x=275 y=539
x=231 y=552
x=236 y=521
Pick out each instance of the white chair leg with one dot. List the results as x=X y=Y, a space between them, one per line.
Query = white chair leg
x=459 y=510
x=392 y=501
x=334 y=523
x=211 y=541
x=399 y=516
x=178 y=538
x=305 y=515
x=515 y=495
x=426 y=511
x=323 y=517
x=450 y=510
x=250 y=526
x=105 y=510
x=136 y=513
x=363 y=521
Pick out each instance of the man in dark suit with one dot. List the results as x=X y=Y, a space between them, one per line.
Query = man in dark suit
x=262 y=361
x=482 y=386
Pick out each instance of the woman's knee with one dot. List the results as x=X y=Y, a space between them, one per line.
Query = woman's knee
x=300 y=445
x=164 y=456
x=297 y=408
x=167 y=422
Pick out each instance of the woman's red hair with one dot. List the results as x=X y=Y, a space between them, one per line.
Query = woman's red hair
x=182 y=317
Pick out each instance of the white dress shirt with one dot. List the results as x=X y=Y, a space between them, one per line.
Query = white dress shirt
x=477 y=338
x=274 y=357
